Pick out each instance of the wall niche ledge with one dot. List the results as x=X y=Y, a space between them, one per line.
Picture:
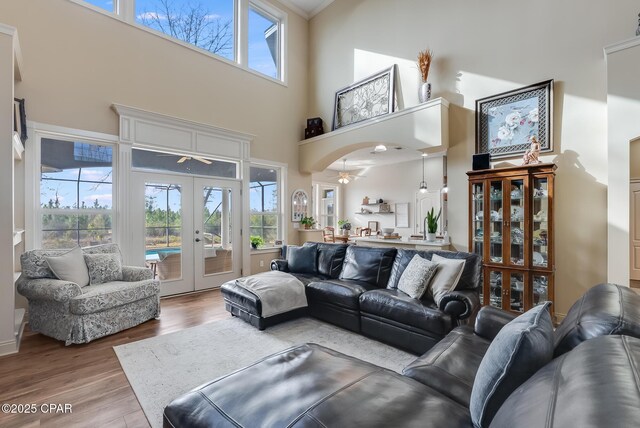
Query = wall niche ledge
x=423 y=127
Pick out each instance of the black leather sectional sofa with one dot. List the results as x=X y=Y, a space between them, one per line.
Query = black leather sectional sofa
x=592 y=382
x=355 y=287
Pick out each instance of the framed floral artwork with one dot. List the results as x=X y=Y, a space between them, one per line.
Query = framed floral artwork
x=505 y=123
x=366 y=99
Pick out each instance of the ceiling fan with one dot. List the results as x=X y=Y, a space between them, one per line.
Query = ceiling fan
x=345 y=176
x=198 y=158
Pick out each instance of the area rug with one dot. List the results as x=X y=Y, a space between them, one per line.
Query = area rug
x=162 y=368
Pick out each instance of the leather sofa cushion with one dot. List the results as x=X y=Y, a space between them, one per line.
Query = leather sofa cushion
x=368 y=264
x=330 y=258
x=399 y=307
x=303 y=259
x=593 y=386
x=307 y=278
x=521 y=348
x=469 y=280
x=451 y=365
x=98 y=298
x=313 y=386
x=603 y=310
x=339 y=292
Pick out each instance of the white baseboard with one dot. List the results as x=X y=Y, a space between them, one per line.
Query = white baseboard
x=8 y=347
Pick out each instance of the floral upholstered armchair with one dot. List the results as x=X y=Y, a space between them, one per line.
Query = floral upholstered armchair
x=117 y=297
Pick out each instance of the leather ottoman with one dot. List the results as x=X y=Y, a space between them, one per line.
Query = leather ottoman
x=313 y=386
x=247 y=306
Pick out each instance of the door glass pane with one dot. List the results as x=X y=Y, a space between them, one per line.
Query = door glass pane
x=215 y=232
x=477 y=195
x=540 y=289
x=540 y=209
x=495 y=280
x=517 y=222
x=183 y=164
x=163 y=230
x=517 y=292
x=495 y=212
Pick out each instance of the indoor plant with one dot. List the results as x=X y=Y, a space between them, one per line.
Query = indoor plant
x=432 y=224
x=307 y=222
x=345 y=226
x=256 y=241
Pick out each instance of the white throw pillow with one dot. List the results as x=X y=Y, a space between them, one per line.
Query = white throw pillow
x=70 y=267
x=416 y=276
x=446 y=278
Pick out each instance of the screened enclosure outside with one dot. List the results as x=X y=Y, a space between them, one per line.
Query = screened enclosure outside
x=263 y=202
x=76 y=193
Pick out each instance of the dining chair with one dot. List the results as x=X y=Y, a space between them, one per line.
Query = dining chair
x=328 y=234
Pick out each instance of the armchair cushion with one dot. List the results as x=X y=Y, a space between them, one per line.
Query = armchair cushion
x=70 y=266
x=136 y=273
x=518 y=351
x=104 y=267
x=111 y=295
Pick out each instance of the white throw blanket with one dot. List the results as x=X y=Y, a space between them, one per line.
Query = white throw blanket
x=279 y=292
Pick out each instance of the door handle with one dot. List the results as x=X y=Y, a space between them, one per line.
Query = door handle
x=197 y=239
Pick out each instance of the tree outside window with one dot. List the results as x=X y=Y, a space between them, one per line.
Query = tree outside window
x=263 y=204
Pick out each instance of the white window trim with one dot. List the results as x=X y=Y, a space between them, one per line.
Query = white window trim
x=33 y=211
x=124 y=11
x=317 y=186
x=281 y=170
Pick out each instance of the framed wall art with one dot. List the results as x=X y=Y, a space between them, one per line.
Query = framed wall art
x=366 y=99
x=505 y=123
x=299 y=205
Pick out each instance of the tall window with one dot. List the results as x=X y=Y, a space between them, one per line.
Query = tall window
x=264 y=42
x=327 y=206
x=263 y=204
x=76 y=182
x=253 y=43
x=207 y=24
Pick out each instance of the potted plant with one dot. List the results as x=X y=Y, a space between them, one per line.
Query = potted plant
x=345 y=226
x=432 y=224
x=307 y=222
x=256 y=241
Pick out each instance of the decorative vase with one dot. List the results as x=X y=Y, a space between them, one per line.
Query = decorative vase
x=431 y=237
x=307 y=226
x=254 y=246
x=424 y=92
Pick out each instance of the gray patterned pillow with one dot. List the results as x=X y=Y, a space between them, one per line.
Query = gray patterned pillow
x=416 y=277
x=103 y=268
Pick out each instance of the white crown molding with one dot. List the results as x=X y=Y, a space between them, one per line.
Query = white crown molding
x=623 y=45
x=320 y=8
x=303 y=13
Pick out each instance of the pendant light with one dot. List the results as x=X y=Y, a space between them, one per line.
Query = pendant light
x=423 y=184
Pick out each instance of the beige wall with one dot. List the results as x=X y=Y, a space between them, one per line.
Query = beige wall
x=77 y=62
x=484 y=48
x=634 y=159
x=263 y=257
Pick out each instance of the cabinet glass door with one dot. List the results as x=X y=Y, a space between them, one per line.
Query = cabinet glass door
x=477 y=210
x=495 y=288
x=540 y=288
x=516 y=292
x=540 y=211
x=516 y=222
x=495 y=222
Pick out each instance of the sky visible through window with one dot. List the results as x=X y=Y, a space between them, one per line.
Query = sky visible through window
x=261 y=54
x=207 y=24
x=103 y=4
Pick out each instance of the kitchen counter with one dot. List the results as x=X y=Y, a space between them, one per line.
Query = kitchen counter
x=403 y=242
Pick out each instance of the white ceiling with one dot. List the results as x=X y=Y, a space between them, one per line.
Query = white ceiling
x=306 y=8
x=364 y=158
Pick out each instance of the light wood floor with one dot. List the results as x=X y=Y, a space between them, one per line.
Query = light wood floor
x=89 y=377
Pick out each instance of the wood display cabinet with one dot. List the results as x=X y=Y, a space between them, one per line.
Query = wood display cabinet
x=511 y=228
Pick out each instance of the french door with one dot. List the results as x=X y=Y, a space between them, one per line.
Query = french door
x=187 y=230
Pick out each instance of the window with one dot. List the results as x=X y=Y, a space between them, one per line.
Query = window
x=326 y=209
x=76 y=193
x=264 y=42
x=184 y=164
x=108 y=5
x=264 y=208
x=254 y=43
x=207 y=24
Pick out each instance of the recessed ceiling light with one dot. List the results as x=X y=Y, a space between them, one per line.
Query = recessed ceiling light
x=380 y=148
